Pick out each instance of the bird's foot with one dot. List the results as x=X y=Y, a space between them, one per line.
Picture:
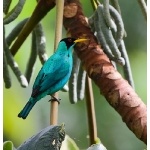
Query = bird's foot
x=55 y=99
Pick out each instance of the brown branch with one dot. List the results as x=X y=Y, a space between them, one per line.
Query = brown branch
x=42 y=8
x=115 y=89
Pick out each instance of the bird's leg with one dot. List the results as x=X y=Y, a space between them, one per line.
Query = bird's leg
x=55 y=99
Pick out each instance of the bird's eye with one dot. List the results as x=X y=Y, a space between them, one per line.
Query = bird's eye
x=69 y=40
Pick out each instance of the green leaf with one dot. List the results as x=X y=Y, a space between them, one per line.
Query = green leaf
x=8 y=145
x=69 y=144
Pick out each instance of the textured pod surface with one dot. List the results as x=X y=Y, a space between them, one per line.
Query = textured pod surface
x=81 y=83
x=70 y=10
x=15 y=31
x=6 y=4
x=14 y=13
x=6 y=75
x=32 y=59
x=41 y=43
x=73 y=79
x=49 y=138
x=14 y=66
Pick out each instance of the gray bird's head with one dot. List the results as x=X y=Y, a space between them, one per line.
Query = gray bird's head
x=71 y=41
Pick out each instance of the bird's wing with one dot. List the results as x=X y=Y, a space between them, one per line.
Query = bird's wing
x=49 y=75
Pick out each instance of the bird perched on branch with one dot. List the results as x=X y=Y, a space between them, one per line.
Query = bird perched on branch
x=53 y=75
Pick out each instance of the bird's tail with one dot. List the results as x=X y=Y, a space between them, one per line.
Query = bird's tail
x=26 y=110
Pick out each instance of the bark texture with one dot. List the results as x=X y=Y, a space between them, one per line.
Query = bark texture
x=113 y=87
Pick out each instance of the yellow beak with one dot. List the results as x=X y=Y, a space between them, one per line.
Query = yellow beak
x=81 y=40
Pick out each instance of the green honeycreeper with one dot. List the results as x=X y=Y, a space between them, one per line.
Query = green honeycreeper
x=53 y=75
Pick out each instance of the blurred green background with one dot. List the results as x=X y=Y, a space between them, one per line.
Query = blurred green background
x=111 y=130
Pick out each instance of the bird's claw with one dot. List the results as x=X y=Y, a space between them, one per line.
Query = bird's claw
x=55 y=99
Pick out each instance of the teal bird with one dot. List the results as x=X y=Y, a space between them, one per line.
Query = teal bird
x=53 y=75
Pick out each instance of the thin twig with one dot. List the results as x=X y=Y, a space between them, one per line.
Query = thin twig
x=58 y=35
x=91 y=111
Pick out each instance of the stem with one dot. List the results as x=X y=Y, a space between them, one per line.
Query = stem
x=91 y=111
x=93 y=4
x=59 y=21
x=54 y=111
x=58 y=35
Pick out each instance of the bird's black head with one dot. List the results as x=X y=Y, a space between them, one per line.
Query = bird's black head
x=69 y=41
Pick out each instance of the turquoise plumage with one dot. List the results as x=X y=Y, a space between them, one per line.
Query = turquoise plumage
x=53 y=75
